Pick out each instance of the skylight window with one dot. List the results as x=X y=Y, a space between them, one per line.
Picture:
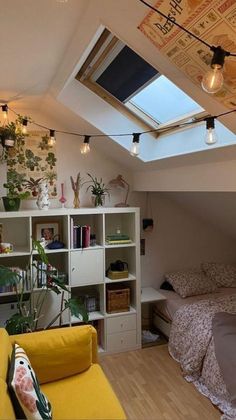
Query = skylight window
x=123 y=78
x=163 y=101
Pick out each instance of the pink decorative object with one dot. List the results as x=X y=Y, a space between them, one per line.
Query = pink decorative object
x=62 y=199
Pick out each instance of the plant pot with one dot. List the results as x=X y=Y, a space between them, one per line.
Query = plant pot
x=11 y=204
x=98 y=200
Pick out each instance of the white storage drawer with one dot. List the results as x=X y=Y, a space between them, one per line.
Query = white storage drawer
x=86 y=267
x=121 y=341
x=121 y=323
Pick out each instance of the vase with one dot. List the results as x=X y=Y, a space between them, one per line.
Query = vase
x=43 y=202
x=62 y=199
x=98 y=200
x=76 y=201
x=11 y=204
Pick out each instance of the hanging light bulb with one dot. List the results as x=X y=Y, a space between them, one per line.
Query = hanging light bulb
x=213 y=80
x=24 y=126
x=5 y=112
x=85 y=147
x=52 y=139
x=211 y=137
x=134 y=151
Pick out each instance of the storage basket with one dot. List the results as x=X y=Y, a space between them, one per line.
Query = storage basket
x=118 y=300
x=116 y=275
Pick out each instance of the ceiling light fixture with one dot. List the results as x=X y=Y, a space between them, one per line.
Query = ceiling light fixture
x=211 y=137
x=85 y=147
x=134 y=151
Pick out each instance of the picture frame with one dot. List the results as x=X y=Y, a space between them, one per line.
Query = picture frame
x=47 y=230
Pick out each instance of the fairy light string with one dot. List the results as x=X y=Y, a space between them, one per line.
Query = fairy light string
x=154 y=130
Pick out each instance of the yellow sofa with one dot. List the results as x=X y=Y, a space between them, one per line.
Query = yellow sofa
x=65 y=362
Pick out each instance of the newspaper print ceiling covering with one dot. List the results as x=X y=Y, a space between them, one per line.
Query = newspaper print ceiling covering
x=214 y=21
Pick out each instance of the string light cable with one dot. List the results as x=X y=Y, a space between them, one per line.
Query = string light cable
x=213 y=79
x=209 y=119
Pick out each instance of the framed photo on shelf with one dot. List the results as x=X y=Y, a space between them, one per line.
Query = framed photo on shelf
x=48 y=231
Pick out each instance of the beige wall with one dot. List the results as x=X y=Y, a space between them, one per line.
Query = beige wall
x=180 y=239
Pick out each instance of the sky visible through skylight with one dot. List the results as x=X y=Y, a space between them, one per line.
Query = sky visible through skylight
x=164 y=101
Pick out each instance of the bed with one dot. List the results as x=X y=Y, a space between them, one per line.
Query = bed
x=188 y=322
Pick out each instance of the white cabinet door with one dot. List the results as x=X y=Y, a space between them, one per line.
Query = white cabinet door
x=87 y=267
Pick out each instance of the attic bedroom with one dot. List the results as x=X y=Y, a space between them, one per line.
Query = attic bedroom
x=117 y=209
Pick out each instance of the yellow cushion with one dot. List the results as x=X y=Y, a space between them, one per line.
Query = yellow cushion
x=6 y=408
x=84 y=396
x=5 y=352
x=58 y=353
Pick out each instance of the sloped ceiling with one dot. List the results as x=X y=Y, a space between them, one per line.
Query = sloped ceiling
x=212 y=21
x=215 y=208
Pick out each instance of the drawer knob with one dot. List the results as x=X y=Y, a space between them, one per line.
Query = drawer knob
x=121 y=325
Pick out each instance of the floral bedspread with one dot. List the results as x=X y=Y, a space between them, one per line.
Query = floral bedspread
x=191 y=343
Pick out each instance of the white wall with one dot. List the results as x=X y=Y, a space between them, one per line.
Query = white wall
x=70 y=162
x=180 y=240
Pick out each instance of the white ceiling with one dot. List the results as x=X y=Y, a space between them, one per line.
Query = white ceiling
x=42 y=42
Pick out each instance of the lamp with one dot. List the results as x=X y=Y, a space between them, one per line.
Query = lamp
x=119 y=182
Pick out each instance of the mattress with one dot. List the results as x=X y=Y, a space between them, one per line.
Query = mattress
x=173 y=302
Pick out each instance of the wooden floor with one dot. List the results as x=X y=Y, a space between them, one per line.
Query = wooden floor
x=149 y=385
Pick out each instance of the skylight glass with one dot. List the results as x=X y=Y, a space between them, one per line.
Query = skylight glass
x=163 y=101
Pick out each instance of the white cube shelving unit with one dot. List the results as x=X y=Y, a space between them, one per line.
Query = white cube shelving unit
x=85 y=267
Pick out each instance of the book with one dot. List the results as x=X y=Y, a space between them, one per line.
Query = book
x=85 y=236
x=117 y=236
x=118 y=241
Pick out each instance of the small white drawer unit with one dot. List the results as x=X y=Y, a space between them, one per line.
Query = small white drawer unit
x=121 y=333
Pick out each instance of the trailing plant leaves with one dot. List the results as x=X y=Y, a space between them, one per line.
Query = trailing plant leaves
x=40 y=250
x=19 y=324
x=77 y=308
x=8 y=277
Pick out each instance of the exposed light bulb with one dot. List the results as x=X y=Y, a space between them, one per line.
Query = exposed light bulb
x=211 y=137
x=135 y=149
x=52 y=140
x=5 y=112
x=213 y=80
x=85 y=147
x=24 y=126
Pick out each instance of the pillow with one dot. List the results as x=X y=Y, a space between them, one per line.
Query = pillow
x=190 y=283
x=224 y=275
x=28 y=401
x=166 y=286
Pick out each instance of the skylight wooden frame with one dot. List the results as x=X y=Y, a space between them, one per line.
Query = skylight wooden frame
x=132 y=111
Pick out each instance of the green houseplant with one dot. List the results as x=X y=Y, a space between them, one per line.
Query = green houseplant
x=14 y=184
x=29 y=306
x=98 y=190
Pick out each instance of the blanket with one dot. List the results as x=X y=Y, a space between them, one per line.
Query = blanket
x=191 y=344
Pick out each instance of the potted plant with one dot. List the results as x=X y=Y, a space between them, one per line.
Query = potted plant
x=14 y=186
x=29 y=308
x=12 y=137
x=98 y=190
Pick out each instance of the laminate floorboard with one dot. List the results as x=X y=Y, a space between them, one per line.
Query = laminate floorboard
x=149 y=385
